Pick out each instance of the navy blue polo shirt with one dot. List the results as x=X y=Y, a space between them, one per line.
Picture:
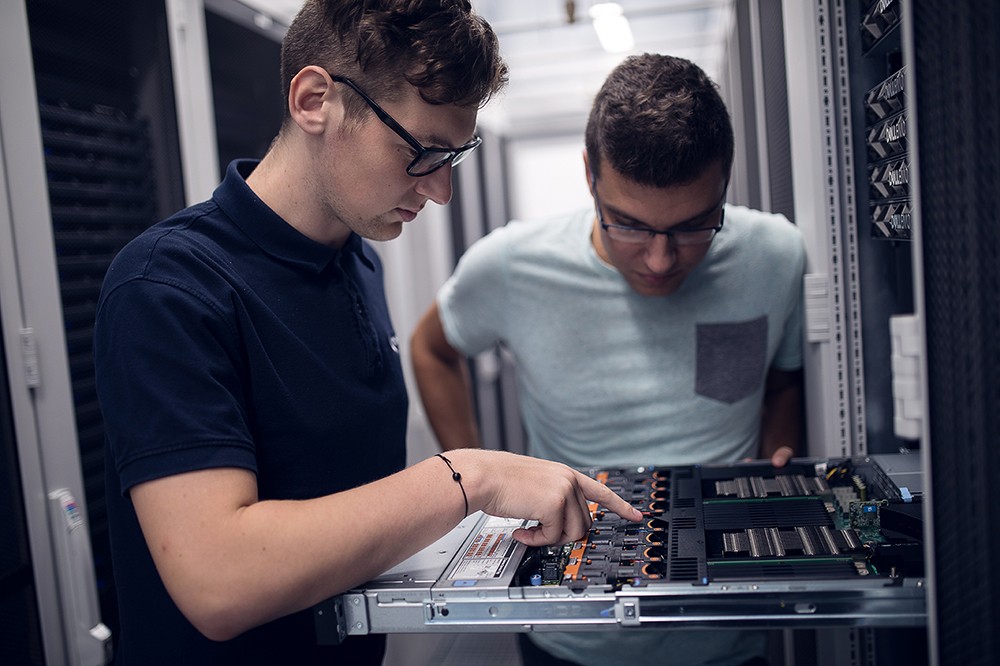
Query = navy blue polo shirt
x=226 y=338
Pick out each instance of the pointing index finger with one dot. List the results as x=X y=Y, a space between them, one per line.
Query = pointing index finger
x=595 y=491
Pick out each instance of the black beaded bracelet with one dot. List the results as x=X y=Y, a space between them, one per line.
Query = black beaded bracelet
x=458 y=479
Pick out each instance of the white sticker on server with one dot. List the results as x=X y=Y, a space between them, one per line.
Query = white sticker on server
x=488 y=554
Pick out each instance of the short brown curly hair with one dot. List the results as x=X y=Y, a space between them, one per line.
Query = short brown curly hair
x=659 y=120
x=444 y=49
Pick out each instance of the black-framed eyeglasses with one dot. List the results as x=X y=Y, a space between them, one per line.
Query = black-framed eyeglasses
x=682 y=236
x=428 y=160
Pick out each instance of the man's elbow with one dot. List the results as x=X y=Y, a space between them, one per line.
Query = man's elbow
x=216 y=615
x=218 y=626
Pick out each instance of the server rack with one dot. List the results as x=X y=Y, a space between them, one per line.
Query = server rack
x=101 y=163
x=886 y=93
x=90 y=148
x=108 y=124
x=954 y=49
x=740 y=545
x=833 y=60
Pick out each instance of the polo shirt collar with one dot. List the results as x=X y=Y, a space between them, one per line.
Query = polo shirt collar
x=270 y=232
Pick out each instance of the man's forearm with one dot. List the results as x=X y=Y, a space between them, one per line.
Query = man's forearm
x=447 y=401
x=781 y=420
x=231 y=562
x=443 y=380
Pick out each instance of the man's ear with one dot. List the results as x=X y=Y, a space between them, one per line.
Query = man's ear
x=313 y=102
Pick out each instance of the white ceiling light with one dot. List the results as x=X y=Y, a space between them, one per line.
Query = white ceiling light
x=263 y=21
x=612 y=27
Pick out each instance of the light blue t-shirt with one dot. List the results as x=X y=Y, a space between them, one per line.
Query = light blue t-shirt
x=609 y=377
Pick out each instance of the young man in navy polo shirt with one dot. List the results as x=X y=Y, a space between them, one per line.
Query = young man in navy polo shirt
x=247 y=365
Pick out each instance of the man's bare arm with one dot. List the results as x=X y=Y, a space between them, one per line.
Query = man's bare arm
x=443 y=380
x=231 y=562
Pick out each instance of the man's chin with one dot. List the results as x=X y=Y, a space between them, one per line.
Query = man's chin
x=384 y=232
x=657 y=288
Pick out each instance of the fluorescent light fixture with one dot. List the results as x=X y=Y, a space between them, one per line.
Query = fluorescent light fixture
x=263 y=21
x=612 y=27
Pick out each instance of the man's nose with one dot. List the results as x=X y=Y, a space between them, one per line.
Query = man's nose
x=661 y=254
x=436 y=186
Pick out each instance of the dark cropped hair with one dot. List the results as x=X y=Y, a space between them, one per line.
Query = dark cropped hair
x=449 y=53
x=659 y=121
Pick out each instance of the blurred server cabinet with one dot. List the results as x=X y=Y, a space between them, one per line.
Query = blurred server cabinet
x=752 y=83
x=850 y=161
x=480 y=204
x=954 y=49
x=244 y=57
x=90 y=157
x=893 y=153
x=108 y=133
x=109 y=122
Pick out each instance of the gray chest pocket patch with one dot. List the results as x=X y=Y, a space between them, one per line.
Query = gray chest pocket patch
x=730 y=359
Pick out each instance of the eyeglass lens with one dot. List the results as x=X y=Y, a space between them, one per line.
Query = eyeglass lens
x=432 y=159
x=679 y=236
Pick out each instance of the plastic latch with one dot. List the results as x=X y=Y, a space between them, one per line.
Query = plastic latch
x=816 y=292
x=907 y=383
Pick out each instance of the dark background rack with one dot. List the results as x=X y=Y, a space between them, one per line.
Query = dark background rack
x=109 y=133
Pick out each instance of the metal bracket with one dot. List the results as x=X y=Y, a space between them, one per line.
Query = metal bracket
x=627 y=612
x=331 y=622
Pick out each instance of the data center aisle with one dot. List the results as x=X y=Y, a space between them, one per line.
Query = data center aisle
x=452 y=650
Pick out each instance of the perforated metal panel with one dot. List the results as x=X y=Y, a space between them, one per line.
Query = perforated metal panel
x=105 y=111
x=959 y=143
